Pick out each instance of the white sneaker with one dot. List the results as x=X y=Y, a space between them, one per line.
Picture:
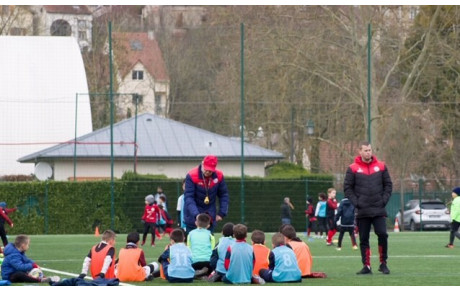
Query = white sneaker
x=52 y=279
x=339 y=249
x=257 y=280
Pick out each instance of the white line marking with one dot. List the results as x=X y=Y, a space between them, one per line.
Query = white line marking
x=75 y=275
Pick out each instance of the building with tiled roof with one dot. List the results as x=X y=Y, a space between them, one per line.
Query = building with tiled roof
x=150 y=144
x=141 y=73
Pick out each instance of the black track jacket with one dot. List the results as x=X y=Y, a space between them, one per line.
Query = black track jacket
x=368 y=186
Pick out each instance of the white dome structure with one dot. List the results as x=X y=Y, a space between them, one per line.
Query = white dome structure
x=40 y=79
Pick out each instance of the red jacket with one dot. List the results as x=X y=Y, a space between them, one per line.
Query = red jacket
x=4 y=214
x=331 y=207
x=151 y=213
x=310 y=212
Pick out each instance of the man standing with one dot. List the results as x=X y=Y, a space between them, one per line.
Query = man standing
x=368 y=186
x=203 y=185
x=286 y=211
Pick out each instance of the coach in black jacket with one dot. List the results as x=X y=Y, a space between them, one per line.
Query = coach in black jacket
x=368 y=186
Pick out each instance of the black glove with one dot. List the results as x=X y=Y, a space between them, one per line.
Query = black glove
x=101 y=275
x=82 y=276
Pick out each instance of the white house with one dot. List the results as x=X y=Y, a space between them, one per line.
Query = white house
x=66 y=20
x=39 y=79
x=151 y=145
x=141 y=74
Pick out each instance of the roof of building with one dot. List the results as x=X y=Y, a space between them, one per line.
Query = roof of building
x=67 y=9
x=132 y=48
x=157 y=138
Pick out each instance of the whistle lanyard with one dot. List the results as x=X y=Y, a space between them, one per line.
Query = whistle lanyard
x=206 y=187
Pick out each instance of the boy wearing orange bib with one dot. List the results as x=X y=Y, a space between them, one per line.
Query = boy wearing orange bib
x=101 y=258
x=261 y=252
x=131 y=265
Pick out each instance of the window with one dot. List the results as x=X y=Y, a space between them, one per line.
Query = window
x=158 y=105
x=82 y=35
x=81 y=24
x=413 y=12
x=5 y=9
x=60 y=27
x=136 y=45
x=139 y=98
x=138 y=75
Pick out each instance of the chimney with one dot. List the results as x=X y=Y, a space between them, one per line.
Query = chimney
x=151 y=35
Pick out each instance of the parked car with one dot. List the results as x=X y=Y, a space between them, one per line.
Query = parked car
x=434 y=215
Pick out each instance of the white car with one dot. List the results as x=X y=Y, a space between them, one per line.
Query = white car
x=433 y=215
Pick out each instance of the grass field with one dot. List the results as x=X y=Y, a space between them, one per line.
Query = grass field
x=415 y=259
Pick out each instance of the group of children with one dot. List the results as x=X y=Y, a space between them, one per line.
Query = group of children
x=197 y=256
x=327 y=215
x=232 y=260
x=185 y=258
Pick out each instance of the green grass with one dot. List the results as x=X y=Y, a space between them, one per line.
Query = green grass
x=415 y=259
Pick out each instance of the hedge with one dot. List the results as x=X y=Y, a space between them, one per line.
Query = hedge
x=78 y=207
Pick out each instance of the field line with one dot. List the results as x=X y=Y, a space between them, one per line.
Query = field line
x=391 y=256
x=75 y=275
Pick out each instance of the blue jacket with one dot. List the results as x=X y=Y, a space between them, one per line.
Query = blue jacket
x=195 y=195
x=346 y=213
x=15 y=261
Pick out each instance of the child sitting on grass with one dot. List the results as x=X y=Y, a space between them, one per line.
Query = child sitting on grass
x=131 y=265
x=16 y=265
x=282 y=266
x=239 y=259
x=300 y=248
x=101 y=258
x=201 y=242
x=176 y=260
x=261 y=252
x=218 y=254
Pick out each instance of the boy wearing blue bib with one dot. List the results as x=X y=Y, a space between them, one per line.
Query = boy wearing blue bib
x=282 y=263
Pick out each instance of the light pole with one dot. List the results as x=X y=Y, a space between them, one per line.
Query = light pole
x=421 y=180
x=310 y=129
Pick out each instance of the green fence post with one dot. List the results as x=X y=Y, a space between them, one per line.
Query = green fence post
x=306 y=198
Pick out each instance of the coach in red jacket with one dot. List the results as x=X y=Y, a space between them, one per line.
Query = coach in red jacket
x=368 y=186
x=203 y=185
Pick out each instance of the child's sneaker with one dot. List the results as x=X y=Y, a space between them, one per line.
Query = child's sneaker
x=214 y=277
x=149 y=277
x=257 y=280
x=339 y=249
x=152 y=245
x=201 y=272
x=355 y=247
x=449 y=246
x=52 y=279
